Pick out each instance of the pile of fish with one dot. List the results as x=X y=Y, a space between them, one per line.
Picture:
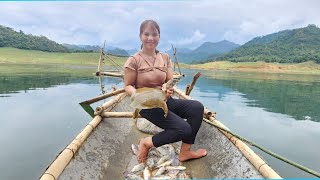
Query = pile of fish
x=161 y=163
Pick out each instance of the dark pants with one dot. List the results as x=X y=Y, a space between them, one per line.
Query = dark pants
x=174 y=125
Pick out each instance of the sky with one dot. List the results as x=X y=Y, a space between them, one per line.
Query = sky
x=185 y=24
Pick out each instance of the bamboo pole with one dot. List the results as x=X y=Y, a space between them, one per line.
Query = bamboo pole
x=194 y=80
x=111 y=74
x=258 y=163
x=187 y=88
x=252 y=157
x=63 y=159
x=101 y=108
x=104 y=96
x=118 y=115
x=100 y=59
x=175 y=76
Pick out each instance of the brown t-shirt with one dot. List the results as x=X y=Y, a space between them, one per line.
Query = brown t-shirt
x=149 y=73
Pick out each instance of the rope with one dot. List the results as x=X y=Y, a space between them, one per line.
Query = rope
x=308 y=170
x=116 y=65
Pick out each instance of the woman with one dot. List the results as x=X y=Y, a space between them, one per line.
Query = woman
x=150 y=68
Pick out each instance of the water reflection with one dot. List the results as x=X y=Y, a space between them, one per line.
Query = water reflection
x=299 y=98
x=14 y=84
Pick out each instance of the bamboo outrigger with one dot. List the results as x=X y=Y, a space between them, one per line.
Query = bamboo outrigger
x=102 y=149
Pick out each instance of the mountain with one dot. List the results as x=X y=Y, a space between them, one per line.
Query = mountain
x=288 y=46
x=82 y=48
x=117 y=52
x=12 y=38
x=204 y=51
x=132 y=51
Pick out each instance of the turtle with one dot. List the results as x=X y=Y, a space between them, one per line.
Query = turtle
x=148 y=98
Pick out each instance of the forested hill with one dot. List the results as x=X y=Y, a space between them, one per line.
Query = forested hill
x=289 y=46
x=11 y=38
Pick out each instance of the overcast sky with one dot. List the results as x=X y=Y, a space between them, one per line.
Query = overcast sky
x=182 y=23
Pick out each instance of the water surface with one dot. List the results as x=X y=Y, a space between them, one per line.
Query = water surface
x=40 y=115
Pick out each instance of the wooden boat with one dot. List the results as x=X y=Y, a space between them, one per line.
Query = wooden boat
x=102 y=149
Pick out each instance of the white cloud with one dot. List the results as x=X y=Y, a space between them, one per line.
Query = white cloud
x=187 y=23
x=197 y=36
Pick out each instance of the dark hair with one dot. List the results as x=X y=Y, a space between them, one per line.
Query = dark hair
x=146 y=22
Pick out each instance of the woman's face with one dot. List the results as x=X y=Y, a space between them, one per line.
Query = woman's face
x=150 y=37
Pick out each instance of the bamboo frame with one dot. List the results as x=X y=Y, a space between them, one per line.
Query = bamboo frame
x=101 y=108
x=118 y=115
x=252 y=157
x=111 y=74
x=194 y=80
x=104 y=96
x=63 y=159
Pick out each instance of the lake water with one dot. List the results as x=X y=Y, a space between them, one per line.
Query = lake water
x=40 y=115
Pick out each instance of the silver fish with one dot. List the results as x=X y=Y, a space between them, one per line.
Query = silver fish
x=171 y=150
x=167 y=163
x=138 y=168
x=154 y=152
x=163 y=159
x=164 y=150
x=182 y=175
x=181 y=168
x=173 y=173
x=135 y=148
x=146 y=173
x=160 y=171
x=176 y=161
x=150 y=162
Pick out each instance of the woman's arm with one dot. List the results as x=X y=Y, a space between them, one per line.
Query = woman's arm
x=129 y=80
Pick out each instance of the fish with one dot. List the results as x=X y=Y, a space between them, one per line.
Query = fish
x=167 y=163
x=180 y=168
x=138 y=168
x=154 y=152
x=146 y=173
x=173 y=173
x=150 y=162
x=163 y=159
x=161 y=163
x=135 y=148
x=160 y=171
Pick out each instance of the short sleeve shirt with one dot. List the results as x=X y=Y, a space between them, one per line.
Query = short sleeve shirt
x=149 y=73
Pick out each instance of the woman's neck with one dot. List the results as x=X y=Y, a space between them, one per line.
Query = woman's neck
x=148 y=52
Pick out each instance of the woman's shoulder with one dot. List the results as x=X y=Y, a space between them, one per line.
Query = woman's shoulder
x=165 y=55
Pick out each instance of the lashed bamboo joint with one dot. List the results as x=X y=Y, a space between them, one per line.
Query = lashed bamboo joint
x=101 y=108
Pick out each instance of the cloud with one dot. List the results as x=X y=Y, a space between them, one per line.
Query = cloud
x=197 y=36
x=185 y=23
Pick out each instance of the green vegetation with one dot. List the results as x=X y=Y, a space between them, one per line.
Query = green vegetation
x=24 y=62
x=289 y=46
x=11 y=38
x=260 y=66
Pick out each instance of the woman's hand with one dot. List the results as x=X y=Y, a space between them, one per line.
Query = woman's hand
x=169 y=92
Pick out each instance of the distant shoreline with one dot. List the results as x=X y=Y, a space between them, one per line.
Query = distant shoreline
x=19 y=61
x=309 y=67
